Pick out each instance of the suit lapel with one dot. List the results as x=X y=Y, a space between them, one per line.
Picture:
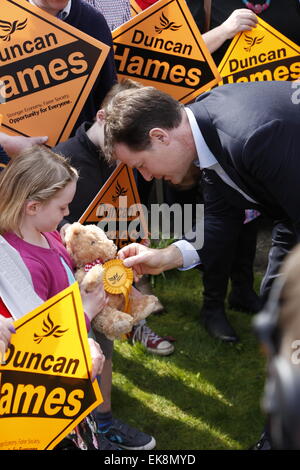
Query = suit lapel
x=212 y=140
x=234 y=197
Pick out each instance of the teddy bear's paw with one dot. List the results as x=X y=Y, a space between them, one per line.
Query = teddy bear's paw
x=142 y=307
x=112 y=323
x=93 y=278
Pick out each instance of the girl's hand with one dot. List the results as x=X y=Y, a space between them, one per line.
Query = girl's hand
x=94 y=301
x=98 y=358
x=6 y=329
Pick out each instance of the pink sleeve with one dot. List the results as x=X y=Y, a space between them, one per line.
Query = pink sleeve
x=87 y=322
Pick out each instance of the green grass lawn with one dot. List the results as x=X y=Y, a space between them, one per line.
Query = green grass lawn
x=206 y=395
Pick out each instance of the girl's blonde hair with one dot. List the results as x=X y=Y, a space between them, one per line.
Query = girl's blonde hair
x=35 y=175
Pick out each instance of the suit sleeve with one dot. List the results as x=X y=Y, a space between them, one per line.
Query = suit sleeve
x=271 y=157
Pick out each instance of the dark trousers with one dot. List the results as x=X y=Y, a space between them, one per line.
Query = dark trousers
x=228 y=253
x=284 y=238
x=229 y=246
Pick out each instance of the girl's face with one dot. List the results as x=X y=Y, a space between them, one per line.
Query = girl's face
x=50 y=213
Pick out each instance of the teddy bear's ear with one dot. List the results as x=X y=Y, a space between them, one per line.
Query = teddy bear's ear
x=76 y=228
x=72 y=231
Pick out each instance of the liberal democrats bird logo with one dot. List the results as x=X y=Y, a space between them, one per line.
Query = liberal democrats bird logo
x=252 y=42
x=115 y=278
x=120 y=191
x=49 y=329
x=166 y=24
x=10 y=28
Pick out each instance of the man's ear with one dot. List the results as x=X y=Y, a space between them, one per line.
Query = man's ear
x=101 y=116
x=160 y=135
x=31 y=207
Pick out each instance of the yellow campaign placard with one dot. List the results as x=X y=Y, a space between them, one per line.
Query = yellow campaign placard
x=259 y=55
x=117 y=208
x=162 y=47
x=45 y=385
x=134 y=8
x=47 y=70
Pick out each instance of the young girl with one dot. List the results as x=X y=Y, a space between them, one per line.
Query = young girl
x=35 y=191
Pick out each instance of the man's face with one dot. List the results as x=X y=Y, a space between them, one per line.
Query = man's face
x=169 y=162
x=51 y=6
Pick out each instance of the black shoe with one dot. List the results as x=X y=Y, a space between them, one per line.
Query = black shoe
x=263 y=443
x=242 y=301
x=217 y=325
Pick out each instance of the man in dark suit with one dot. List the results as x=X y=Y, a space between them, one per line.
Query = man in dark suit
x=244 y=137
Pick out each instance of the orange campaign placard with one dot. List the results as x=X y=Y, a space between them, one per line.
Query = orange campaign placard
x=45 y=382
x=2 y=165
x=260 y=54
x=134 y=8
x=117 y=209
x=47 y=70
x=162 y=47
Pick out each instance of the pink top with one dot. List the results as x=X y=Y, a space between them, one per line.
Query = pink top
x=48 y=274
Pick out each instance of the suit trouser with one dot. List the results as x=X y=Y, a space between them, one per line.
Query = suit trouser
x=284 y=238
x=229 y=247
x=229 y=252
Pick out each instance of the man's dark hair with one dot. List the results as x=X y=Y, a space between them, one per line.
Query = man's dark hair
x=131 y=114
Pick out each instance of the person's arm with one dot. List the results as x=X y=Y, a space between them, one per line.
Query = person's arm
x=13 y=144
x=146 y=260
x=240 y=20
x=190 y=256
x=6 y=329
x=97 y=357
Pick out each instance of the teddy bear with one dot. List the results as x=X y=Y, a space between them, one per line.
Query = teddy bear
x=90 y=248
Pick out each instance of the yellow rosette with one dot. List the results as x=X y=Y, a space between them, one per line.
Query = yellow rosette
x=118 y=279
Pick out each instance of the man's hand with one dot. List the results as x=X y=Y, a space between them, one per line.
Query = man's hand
x=146 y=260
x=14 y=144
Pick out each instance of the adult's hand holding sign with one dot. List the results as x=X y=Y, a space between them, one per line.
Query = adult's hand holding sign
x=162 y=47
x=262 y=54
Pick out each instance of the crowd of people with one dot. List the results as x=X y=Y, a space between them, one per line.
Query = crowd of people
x=244 y=141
